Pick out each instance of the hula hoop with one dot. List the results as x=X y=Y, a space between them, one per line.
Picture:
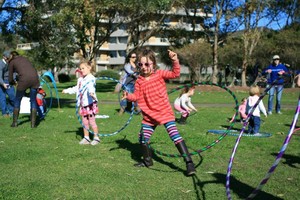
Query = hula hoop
x=79 y=117
x=50 y=104
x=268 y=175
x=234 y=133
x=214 y=142
x=119 y=98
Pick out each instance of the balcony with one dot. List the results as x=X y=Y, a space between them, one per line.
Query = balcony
x=27 y=46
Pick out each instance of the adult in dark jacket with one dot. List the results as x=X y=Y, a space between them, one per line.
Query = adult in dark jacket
x=27 y=79
x=273 y=72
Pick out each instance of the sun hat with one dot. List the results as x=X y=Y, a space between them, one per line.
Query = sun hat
x=276 y=57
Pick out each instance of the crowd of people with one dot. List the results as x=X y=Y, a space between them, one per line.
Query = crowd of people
x=145 y=86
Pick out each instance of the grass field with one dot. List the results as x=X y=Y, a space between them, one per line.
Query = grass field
x=48 y=163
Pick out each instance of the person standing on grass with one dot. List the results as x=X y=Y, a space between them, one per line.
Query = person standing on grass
x=151 y=95
x=87 y=102
x=273 y=72
x=183 y=104
x=27 y=79
x=5 y=88
x=41 y=101
x=254 y=120
x=131 y=75
x=297 y=79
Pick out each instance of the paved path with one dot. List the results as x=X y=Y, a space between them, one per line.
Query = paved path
x=218 y=105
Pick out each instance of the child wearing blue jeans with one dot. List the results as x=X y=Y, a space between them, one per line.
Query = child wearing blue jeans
x=254 y=120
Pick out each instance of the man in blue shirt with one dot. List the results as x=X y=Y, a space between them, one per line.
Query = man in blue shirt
x=6 y=88
x=297 y=78
x=273 y=72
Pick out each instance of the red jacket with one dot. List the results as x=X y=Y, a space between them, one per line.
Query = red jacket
x=152 y=97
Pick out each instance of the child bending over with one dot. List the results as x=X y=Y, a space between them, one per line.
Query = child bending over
x=184 y=105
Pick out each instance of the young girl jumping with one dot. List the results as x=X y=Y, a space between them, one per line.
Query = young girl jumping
x=87 y=101
x=183 y=104
x=151 y=95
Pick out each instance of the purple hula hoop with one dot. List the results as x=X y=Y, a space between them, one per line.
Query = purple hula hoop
x=279 y=156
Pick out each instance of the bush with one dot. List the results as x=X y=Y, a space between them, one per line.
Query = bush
x=108 y=73
x=62 y=78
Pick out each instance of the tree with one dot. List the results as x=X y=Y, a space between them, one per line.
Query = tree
x=197 y=56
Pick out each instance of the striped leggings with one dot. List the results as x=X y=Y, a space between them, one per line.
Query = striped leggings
x=147 y=130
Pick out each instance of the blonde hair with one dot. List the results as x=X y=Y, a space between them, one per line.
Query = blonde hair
x=87 y=63
x=254 y=90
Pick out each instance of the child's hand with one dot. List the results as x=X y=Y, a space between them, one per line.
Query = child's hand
x=173 y=55
x=124 y=96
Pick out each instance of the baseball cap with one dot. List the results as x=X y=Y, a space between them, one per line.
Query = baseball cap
x=6 y=54
x=276 y=57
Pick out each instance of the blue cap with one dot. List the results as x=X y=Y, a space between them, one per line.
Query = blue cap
x=6 y=54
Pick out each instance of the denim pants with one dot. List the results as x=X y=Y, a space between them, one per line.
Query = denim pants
x=7 y=106
x=20 y=94
x=254 y=125
x=275 y=89
x=130 y=89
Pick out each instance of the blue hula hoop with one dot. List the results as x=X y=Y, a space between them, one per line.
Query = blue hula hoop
x=219 y=139
x=79 y=117
x=236 y=133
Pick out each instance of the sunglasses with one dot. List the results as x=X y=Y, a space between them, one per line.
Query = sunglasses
x=146 y=64
x=133 y=57
x=276 y=59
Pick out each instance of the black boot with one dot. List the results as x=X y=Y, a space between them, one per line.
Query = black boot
x=33 y=117
x=147 y=159
x=190 y=168
x=182 y=120
x=15 y=117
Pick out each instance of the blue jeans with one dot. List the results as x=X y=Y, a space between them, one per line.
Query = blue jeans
x=130 y=89
x=7 y=106
x=254 y=125
x=278 y=89
x=20 y=94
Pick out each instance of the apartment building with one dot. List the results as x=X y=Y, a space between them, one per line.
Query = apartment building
x=113 y=52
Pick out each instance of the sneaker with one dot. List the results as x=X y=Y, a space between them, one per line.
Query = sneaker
x=257 y=134
x=279 y=112
x=95 y=141
x=85 y=141
x=270 y=113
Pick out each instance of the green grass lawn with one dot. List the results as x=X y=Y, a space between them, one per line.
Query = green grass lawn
x=48 y=163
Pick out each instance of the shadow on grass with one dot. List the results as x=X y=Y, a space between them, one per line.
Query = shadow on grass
x=136 y=154
x=241 y=189
x=78 y=132
x=25 y=119
x=290 y=160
